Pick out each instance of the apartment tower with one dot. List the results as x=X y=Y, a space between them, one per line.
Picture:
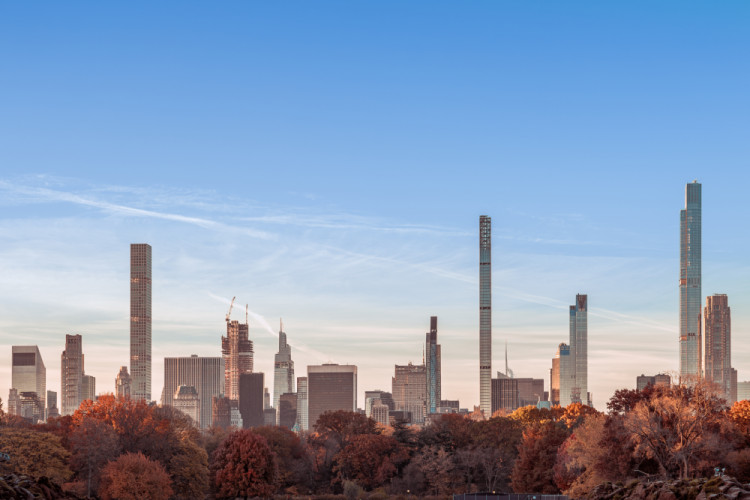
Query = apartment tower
x=71 y=381
x=690 y=284
x=331 y=387
x=432 y=365
x=485 y=315
x=718 y=332
x=140 y=321
x=579 y=349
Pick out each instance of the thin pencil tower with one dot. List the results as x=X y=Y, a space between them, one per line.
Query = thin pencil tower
x=485 y=315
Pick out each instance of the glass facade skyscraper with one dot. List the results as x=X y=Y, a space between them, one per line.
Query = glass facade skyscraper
x=718 y=331
x=690 y=284
x=485 y=315
x=579 y=340
x=283 y=370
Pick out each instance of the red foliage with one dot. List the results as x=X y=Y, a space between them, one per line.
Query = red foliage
x=243 y=466
x=534 y=469
x=370 y=460
x=133 y=477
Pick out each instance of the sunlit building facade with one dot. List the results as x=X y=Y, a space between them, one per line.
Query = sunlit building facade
x=579 y=357
x=140 y=321
x=485 y=315
x=690 y=284
x=718 y=352
x=28 y=374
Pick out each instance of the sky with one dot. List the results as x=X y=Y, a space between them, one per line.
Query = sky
x=327 y=163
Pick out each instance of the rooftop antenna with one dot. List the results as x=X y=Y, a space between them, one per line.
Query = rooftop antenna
x=246 y=313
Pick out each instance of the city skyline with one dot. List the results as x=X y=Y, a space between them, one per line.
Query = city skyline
x=328 y=166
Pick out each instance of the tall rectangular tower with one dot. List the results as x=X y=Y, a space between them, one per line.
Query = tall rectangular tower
x=690 y=284
x=28 y=374
x=283 y=370
x=579 y=349
x=409 y=389
x=140 y=320
x=237 y=351
x=203 y=373
x=718 y=329
x=485 y=315
x=71 y=379
x=432 y=362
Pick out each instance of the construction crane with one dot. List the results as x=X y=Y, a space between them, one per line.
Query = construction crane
x=230 y=308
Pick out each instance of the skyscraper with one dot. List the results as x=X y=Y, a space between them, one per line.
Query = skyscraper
x=205 y=374
x=283 y=369
x=579 y=349
x=409 y=389
x=237 y=351
x=140 y=321
x=251 y=399
x=88 y=387
x=432 y=365
x=71 y=381
x=123 y=383
x=690 y=284
x=29 y=375
x=563 y=376
x=718 y=329
x=485 y=315
x=302 y=403
x=331 y=387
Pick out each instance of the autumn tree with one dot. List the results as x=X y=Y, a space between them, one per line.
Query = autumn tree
x=681 y=428
x=243 y=466
x=35 y=453
x=294 y=470
x=188 y=468
x=93 y=443
x=438 y=469
x=575 y=413
x=370 y=460
x=533 y=470
x=132 y=476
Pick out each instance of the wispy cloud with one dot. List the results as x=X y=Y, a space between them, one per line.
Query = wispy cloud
x=52 y=195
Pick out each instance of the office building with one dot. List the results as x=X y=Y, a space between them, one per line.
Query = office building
x=330 y=387
x=287 y=410
x=221 y=412
x=283 y=369
x=432 y=365
x=562 y=377
x=235 y=417
x=690 y=284
x=384 y=397
x=579 y=349
x=409 y=389
x=14 y=402
x=743 y=390
x=140 y=321
x=52 y=411
x=485 y=315
x=718 y=335
x=88 y=388
x=380 y=412
x=71 y=380
x=187 y=401
x=237 y=351
x=302 y=399
x=504 y=394
x=123 y=383
x=28 y=373
x=205 y=374
x=659 y=380
x=251 y=399
x=530 y=391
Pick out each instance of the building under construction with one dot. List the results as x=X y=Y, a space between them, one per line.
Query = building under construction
x=237 y=351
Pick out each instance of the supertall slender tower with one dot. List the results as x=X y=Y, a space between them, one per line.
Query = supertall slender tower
x=718 y=329
x=579 y=349
x=485 y=315
x=432 y=362
x=283 y=370
x=690 y=283
x=140 y=320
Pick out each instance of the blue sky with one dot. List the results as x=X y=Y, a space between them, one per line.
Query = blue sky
x=327 y=162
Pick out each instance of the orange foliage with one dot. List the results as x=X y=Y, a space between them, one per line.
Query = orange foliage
x=133 y=477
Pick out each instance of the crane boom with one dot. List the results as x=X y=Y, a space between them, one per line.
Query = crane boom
x=230 y=308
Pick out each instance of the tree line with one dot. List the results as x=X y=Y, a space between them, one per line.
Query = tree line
x=119 y=448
